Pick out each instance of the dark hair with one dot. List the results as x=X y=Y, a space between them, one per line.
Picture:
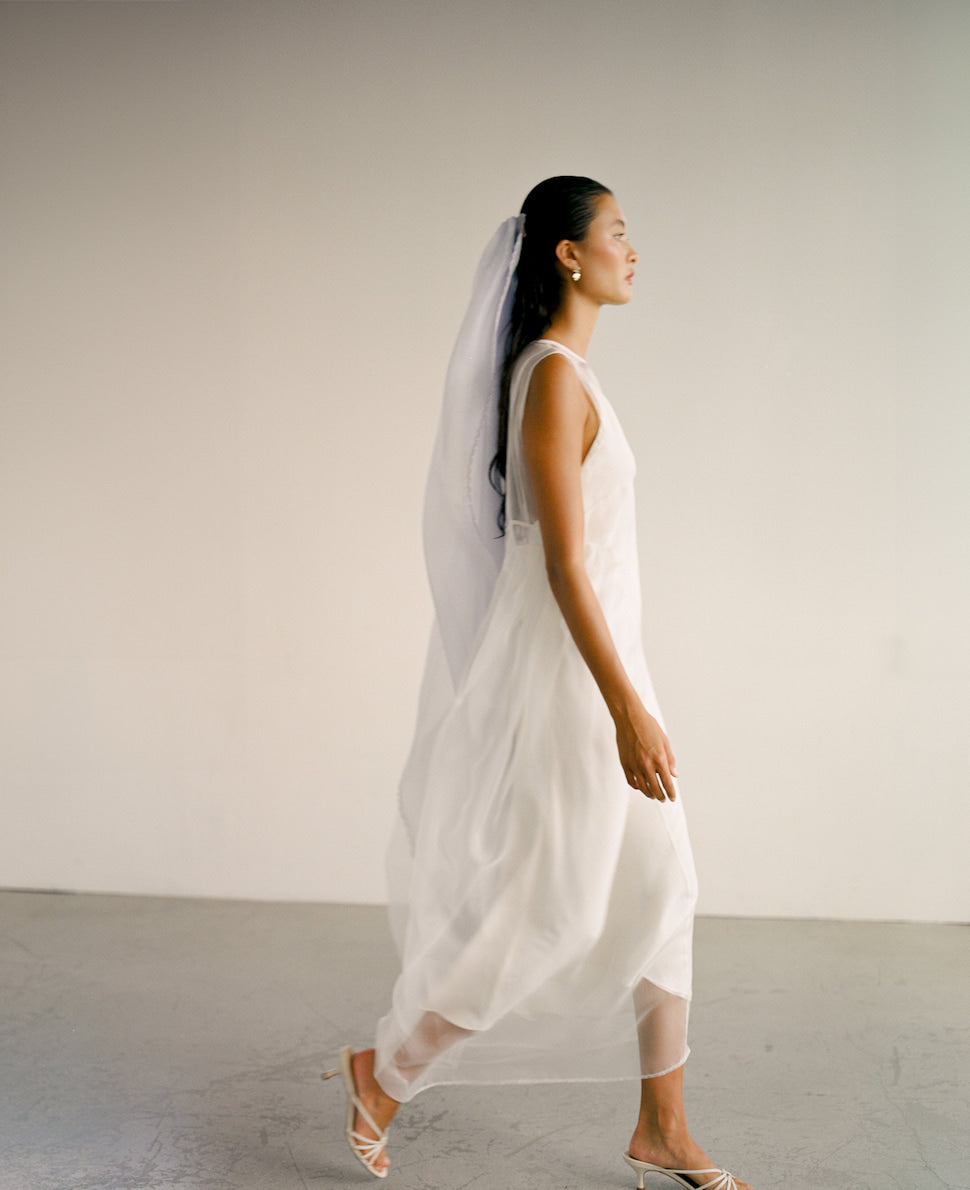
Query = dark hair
x=557 y=209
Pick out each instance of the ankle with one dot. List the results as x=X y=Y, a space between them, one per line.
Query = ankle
x=663 y=1124
x=383 y=1100
x=380 y=1097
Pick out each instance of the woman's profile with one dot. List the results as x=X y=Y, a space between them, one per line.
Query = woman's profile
x=542 y=881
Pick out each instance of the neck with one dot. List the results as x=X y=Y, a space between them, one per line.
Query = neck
x=573 y=323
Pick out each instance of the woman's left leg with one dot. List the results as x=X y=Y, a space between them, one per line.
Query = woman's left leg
x=432 y=1036
x=377 y=1103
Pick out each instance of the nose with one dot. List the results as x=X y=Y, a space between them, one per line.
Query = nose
x=633 y=255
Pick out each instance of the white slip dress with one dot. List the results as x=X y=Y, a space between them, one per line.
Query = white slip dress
x=543 y=909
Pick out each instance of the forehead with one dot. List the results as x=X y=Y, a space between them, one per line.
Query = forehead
x=609 y=212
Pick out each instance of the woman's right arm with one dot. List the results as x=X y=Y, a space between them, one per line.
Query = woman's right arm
x=557 y=425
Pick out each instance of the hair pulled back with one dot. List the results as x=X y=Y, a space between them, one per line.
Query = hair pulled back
x=559 y=208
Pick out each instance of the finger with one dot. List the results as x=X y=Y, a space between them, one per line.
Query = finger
x=643 y=784
x=652 y=786
x=666 y=781
x=671 y=760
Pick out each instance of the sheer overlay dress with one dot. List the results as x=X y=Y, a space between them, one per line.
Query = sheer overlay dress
x=543 y=909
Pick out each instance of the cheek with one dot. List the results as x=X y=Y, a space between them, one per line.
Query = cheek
x=617 y=256
x=609 y=254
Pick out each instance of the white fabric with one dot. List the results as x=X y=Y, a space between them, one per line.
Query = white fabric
x=543 y=908
x=462 y=545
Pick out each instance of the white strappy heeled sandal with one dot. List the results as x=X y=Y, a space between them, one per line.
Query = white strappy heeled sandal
x=366 y=1149
x=693 y=1179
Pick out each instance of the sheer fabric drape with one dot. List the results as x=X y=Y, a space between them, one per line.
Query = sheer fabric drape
x=543 y=909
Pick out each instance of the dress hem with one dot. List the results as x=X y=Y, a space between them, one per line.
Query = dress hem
x=524 y=1082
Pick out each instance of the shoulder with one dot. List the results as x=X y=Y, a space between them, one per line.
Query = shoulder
x=555 y=401
x=554 y=380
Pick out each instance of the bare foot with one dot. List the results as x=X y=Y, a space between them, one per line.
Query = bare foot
x=674 y=1151
x=382 y=1108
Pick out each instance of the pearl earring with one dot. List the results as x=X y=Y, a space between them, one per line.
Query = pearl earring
x=576 y=274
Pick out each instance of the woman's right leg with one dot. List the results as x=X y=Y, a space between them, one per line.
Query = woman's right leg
x=661 y=1135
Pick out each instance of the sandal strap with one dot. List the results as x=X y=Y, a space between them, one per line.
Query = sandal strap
x=369 y=1121
x=368 y=1147
x=693 y=1178
x=368 y=1142
x=722 y=1180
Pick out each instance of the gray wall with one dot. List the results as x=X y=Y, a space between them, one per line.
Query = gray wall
x=237 y=242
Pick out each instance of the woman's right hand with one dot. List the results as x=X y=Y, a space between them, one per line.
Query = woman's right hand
x=645 y=753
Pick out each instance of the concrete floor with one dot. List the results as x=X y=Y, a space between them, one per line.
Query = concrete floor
x=175 y=1043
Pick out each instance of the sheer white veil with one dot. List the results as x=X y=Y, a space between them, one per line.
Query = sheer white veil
x=462 y=544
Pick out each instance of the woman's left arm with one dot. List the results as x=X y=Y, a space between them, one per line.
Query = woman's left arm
x=554 y=429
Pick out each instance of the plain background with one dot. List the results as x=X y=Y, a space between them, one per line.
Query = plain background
x=237 y=242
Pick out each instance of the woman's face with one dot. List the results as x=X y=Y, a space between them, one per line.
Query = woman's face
x=605 y=256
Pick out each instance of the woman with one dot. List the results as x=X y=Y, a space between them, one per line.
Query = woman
x=546 y=876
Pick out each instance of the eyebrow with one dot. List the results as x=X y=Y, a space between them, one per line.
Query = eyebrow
x=618 y=223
